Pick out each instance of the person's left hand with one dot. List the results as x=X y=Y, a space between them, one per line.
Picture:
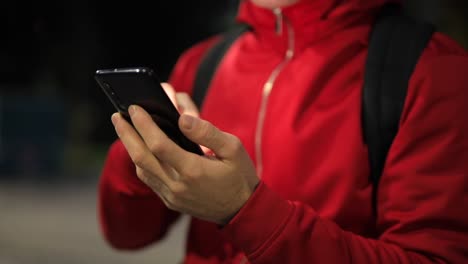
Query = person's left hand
x=209 y=188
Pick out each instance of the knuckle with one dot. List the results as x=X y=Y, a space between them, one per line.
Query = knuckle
x=177 y=189
x=147 y=179
x=207 y=131
x=139 y=158
x=171 y=201
x=140 y=173
x=166 y=197
x=142 y=176
x=235 y=145
x=191 y=172
x=156 y=147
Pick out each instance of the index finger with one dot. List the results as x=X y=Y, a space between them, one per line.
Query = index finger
x=158 y=142
x=137 y=149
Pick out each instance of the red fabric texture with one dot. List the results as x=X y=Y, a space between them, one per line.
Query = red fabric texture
x=314 y=203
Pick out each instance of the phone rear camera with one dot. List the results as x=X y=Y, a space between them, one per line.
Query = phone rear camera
x=107 y=87
x=123 y=107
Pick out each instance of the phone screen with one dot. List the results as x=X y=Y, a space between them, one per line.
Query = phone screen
x=140 y=86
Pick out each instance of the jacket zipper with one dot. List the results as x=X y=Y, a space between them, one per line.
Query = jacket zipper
x=268 y=86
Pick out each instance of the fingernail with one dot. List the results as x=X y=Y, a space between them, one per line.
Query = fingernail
x=114 y=118
x=132 y=110
x=187 y=121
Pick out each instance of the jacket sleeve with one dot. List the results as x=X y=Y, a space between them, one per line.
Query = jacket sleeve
x=422 y=196
x=132 y=215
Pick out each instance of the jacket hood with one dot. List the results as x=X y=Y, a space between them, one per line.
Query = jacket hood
x=317 y=10
x=311 y=20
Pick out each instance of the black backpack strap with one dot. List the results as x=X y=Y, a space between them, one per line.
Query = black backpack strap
x=211 y=61
x=396 y=44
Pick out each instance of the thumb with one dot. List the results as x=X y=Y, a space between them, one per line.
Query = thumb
x=202 y=132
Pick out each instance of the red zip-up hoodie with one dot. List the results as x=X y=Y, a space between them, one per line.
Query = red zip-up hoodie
x=290 y=89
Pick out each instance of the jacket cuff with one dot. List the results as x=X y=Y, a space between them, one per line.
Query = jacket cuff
x=248 y=230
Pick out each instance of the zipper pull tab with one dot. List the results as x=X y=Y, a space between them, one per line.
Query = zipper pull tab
x=279 y=20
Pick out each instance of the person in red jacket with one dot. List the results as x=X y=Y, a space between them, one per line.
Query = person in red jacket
x=288 y=180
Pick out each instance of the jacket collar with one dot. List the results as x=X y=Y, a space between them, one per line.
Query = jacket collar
x=309 y=20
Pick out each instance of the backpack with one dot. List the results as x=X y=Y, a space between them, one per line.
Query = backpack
x=396 y=43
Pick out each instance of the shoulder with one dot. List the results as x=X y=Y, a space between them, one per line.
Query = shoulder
x=442 y=44
x=183 y=73
x=441 y=75
x=442 y=52
x=443 y=62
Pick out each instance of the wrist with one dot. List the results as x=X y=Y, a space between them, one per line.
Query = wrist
x=241 y=201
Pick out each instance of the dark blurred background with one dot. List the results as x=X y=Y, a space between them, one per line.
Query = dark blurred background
x=55 y=122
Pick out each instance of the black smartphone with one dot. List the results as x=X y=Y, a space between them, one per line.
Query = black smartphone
x=140 y=86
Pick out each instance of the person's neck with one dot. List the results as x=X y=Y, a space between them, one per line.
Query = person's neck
x=271 y=4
